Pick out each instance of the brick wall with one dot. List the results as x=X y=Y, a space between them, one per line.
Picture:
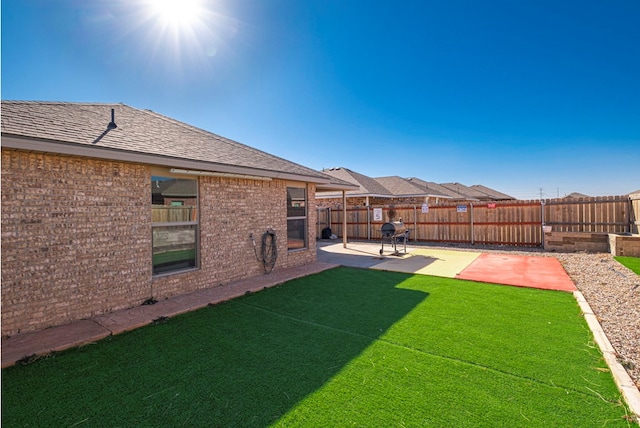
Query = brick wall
x=76 y=237
x=624 y=245
x=231 y=210
x=69 y=229
x=616 y=244
x=576 y=241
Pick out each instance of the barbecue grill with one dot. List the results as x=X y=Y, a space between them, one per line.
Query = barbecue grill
x=394 y=232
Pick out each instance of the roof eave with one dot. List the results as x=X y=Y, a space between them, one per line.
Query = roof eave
x=18 y=142
x=422 y=195
x=374 y=195
x=332 y=187
x=354 y=195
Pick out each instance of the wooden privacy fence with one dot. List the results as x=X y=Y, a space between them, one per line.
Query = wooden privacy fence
x=172 y=214
x=635 y=212
x=515 y=223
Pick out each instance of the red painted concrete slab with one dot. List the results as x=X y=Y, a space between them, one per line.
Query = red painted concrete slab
x=522 y=271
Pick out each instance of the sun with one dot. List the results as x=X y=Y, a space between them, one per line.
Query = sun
x=184 y=34
x=178 y=14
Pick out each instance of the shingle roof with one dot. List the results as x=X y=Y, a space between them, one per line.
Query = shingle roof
x=395 y=186
x=493 y=194
x=399 y=186
x=180 y=188
x=335 y=183
x=140 y=131
x=465 y=191
x=367 y=185
x=576 y=195
x=436 y=188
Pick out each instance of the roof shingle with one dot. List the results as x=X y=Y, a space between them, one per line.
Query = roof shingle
x=140 y=131
x=436 y=188
x=399 y=186
x=367 y=185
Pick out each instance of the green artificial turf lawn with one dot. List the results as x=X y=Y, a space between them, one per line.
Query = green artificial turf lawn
x=632 y=263
x=346 y=347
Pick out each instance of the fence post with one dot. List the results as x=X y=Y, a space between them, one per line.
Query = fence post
x=415 y=224
x=471 y=220
x=634 y=213
x=542 y=221
x=628 y=228
x=344 y=219
x=356 y=235
x=368 y=224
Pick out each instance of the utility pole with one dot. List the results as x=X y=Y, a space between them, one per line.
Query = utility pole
x=541 y=193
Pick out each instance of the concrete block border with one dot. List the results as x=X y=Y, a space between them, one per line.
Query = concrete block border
x=622 y=379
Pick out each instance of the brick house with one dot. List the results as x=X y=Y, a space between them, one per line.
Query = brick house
x=105 y=206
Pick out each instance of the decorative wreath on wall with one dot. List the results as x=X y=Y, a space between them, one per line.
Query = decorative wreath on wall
x=391 y=214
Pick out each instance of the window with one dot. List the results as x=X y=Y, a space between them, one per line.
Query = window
x=174 y=211
x=296 y=218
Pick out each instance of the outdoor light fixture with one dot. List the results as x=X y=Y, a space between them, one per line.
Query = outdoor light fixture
x=218 y=174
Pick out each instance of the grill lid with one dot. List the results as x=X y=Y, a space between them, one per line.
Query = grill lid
x=395 y=228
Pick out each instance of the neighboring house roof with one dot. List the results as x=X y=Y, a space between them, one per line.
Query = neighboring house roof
x=466 y=191
x=142 y=136
x=179 y=188
x=436 y=189
x=402 y=187
x=576 y=195
x=398 y=187
x=336 y=183
x=493 y=194
x=367 y=186
x=173 y=188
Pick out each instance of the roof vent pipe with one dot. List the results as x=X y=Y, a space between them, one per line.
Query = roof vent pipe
x=112 y=124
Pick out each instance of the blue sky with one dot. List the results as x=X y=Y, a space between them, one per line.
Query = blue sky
x=530 y=98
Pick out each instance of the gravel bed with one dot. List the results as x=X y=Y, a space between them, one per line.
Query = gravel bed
x=611 y=289
x=613 y=292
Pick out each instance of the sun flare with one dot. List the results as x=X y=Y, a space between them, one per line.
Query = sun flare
x=185 y=34
x=177 y=13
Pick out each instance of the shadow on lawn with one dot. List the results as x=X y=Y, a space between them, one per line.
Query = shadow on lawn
x=246 y=362
x=288 y=342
